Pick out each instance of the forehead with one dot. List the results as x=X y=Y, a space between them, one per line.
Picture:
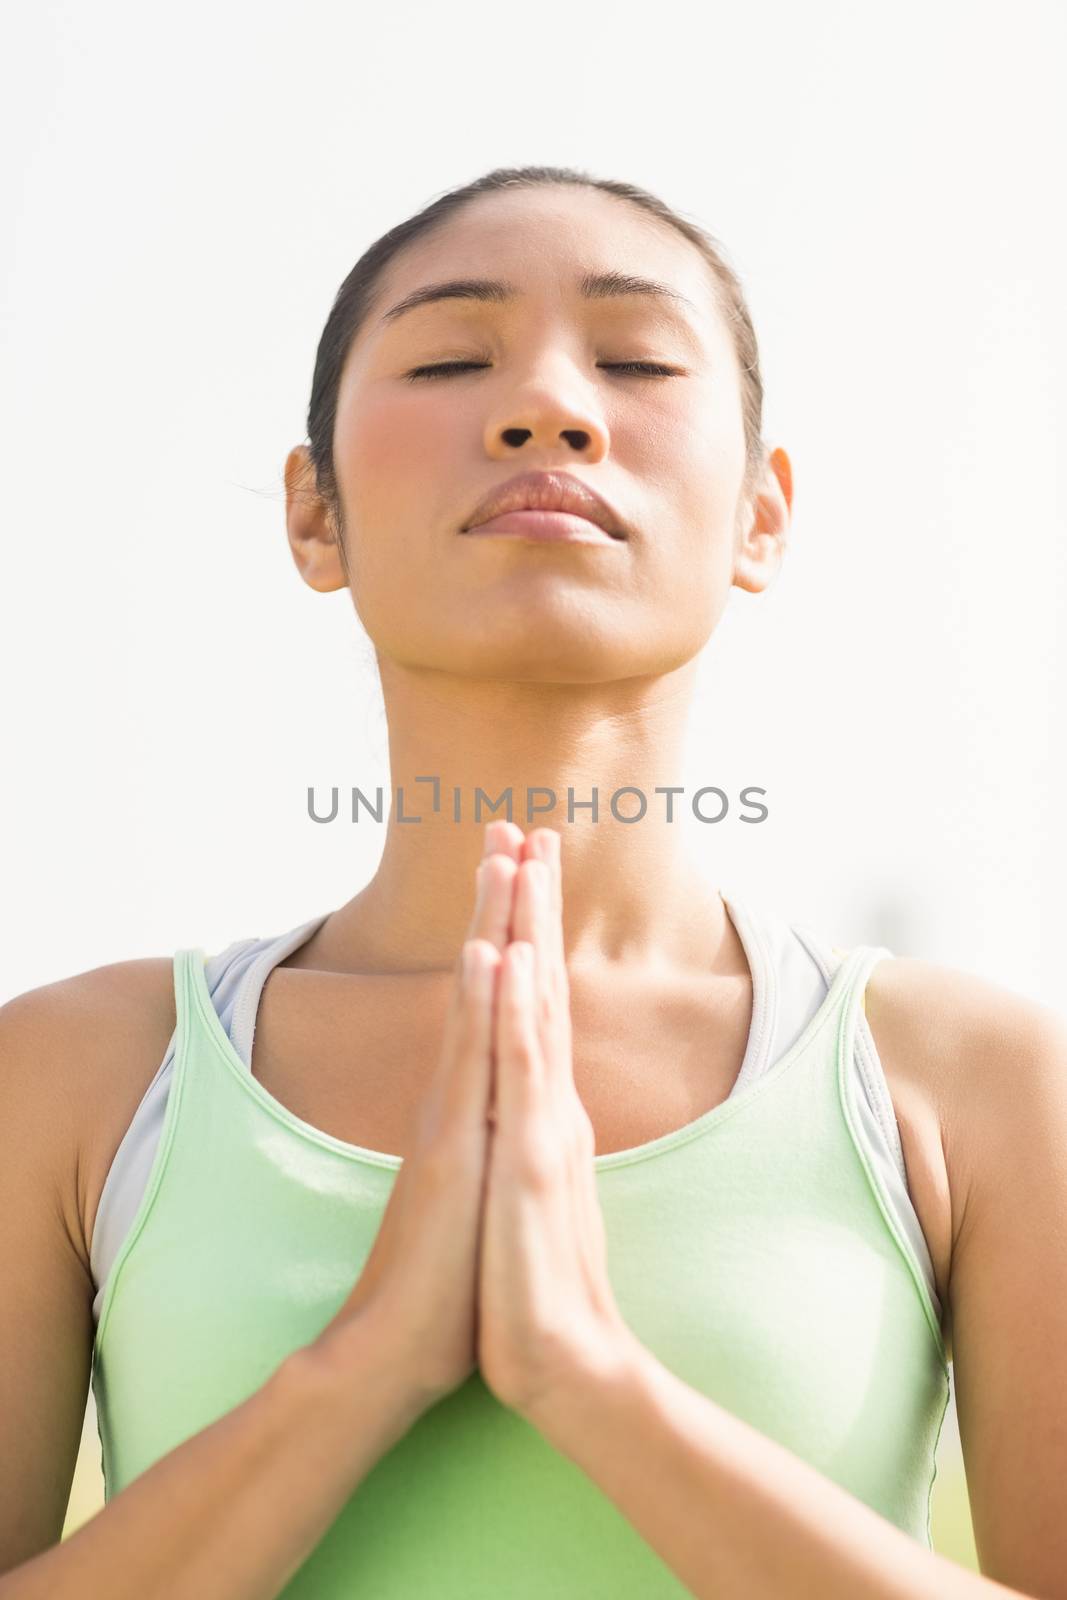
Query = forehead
x=549 y=242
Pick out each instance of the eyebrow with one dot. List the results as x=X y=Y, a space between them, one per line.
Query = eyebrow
x=591 y=286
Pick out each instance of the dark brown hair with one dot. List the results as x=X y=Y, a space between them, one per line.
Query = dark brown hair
x=354 y=296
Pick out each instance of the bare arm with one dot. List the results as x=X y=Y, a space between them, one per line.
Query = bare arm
x=732 y=1512
x=237 y=1508
x=232 y=1512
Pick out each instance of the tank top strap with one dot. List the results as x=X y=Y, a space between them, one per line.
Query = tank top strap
x=186 y=1027
x=190 y=1024
x=184 y=1001
x=851 y=975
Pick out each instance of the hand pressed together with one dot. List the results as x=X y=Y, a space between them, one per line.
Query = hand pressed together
x=546 y=1312
x=491 y=1250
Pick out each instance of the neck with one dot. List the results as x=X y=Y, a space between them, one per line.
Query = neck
x=631 y=894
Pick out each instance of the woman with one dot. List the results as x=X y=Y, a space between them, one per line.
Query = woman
x=355 y=1328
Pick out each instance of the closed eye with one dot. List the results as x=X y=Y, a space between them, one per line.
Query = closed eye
x=646 y=369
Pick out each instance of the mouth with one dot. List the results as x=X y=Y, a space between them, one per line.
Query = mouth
x=544 y=527
x=547 y=500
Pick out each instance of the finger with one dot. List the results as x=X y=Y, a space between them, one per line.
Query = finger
x=490 y=922
x=550 y=1001
x=517 y=1049
x=494 y=877
x=507 y=838
x=466 y=1079
x=528 y=926
x=491 y=918
x=524 y=918
x=535 y=919
x=545 y=846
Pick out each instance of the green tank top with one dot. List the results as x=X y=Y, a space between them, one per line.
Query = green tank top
x=751 y=1251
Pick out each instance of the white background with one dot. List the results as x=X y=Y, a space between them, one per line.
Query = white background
x=183 y=191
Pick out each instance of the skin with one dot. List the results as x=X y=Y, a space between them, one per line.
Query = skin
x=727 y=1508
x=505 y=663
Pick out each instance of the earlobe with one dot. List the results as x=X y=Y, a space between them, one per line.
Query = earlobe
x=309 y=525
x=757 y=561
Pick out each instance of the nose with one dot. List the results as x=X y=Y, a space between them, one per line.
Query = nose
x=546 y=414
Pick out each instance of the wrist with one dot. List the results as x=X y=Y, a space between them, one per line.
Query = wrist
x=352 y=1370
x=620 y=1369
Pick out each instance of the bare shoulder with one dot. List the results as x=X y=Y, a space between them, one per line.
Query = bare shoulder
x=960 y=1053
x=76 y=1056
x=992 y=1065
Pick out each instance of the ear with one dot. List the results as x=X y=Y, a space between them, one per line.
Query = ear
x=312 y=535
x=762 y=538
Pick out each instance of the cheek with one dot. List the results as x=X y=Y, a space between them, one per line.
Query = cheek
x=392 y=456
x=390 y=447
x=688 y=456
x=713 y=478
x=694 y=562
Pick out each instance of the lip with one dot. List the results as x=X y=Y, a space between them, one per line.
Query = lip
x=543 y=527
x=557 y=492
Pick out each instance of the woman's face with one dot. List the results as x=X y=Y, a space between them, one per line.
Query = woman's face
x=414 y=456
